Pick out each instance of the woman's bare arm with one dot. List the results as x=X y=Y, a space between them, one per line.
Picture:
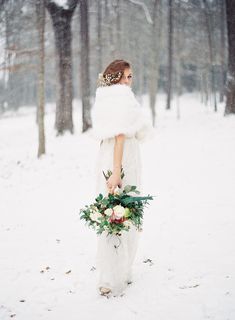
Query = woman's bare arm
x=115 y=179
x=118 y=153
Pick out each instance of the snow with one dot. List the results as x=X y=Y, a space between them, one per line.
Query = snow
x=48 y=255
x=62 y=3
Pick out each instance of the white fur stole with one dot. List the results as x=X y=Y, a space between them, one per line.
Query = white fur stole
x=116 y=111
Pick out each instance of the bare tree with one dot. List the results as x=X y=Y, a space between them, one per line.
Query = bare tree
x=179 y=35
x=12 y=41
x=221 y=6
x=154 y=60
x=40 y=13
x=208 y=22
x=84 y=67
x=110 y=33
x=119 y=26
x=99 y=35
x=230 y=86
x=170 y=54
x=61 y=20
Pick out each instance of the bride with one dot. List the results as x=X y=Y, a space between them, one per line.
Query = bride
x=119 y=125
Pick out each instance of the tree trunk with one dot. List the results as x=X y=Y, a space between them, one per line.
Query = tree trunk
x=110 y=17
x=85 y=67
x=222 y=49
x=40 y=13
x=154 y=68
x=119 y=48
x=178 y=52
x=170 y=55
x=12 y=42
x=61 y=20
x=210 y=46
x=230 y=86
x=99 y=36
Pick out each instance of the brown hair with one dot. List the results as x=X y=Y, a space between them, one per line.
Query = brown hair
x=114 y=71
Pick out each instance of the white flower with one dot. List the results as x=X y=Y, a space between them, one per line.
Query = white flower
x=117 y=191
x=108 y=212
x=127 y=223
x=119 y=211
x=94 y=215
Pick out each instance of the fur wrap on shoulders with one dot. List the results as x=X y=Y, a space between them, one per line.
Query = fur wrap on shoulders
x=117 y=111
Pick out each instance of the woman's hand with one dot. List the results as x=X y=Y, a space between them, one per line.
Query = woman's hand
x=113 y=181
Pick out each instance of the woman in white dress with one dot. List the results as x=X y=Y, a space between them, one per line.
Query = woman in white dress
x=119 y=125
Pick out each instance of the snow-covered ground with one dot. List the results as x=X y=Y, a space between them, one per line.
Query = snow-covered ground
x=47 y=255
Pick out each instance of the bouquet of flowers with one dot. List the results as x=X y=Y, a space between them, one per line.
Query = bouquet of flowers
x=116 y=212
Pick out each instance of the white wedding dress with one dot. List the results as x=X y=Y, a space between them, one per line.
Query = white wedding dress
x=115 y=111
x=115 y=254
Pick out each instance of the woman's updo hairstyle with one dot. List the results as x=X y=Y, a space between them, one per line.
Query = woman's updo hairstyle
x=113 y=73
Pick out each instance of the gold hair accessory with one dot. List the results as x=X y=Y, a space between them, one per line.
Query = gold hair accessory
x=108 y=79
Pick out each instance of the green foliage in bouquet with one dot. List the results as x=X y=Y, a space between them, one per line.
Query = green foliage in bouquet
x=109 y=173
x=116 y=212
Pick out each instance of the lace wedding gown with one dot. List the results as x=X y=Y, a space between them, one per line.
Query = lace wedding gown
x=116 y=254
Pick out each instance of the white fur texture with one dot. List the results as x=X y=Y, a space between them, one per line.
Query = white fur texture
x=117 y=111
